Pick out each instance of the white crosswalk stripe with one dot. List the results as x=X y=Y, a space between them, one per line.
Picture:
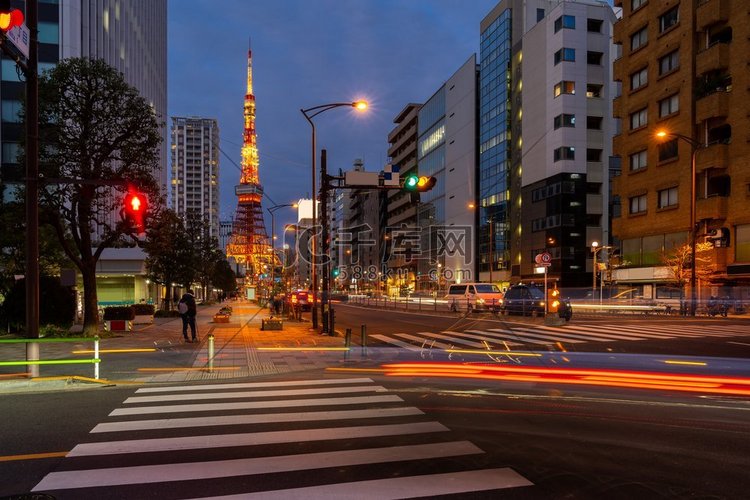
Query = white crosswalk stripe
x=129 y=452
x=517 y=333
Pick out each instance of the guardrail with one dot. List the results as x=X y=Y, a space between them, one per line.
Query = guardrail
x=66 y=361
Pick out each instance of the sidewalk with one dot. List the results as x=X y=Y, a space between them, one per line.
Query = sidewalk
x=241 y=349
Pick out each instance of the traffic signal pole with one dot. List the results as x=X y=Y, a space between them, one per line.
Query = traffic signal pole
x=32 y=189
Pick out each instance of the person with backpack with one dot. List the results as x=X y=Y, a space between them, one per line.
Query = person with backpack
x=187 y=309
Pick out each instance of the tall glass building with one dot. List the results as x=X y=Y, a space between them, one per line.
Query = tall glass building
x=494 y=146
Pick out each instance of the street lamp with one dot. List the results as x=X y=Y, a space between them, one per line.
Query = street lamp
x=272 y=210
x=309 y=114
x=296 y=250
x=595 y=249
x=695 y=145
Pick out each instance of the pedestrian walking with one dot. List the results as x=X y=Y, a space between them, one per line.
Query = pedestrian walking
x=187 y=309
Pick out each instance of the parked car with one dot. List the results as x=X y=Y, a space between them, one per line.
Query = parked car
x=474 y=296
x=530 y=300
x=523 y=299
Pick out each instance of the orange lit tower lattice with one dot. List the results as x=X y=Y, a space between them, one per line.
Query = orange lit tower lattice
x=249 y=243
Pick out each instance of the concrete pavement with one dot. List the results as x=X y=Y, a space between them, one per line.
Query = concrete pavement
x=240 y=349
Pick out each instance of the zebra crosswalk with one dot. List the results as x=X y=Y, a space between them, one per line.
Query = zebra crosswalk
x=519 y=334
x=289 y=439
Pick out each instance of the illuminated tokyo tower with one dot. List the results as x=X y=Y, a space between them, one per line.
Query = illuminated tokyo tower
x=249 y=244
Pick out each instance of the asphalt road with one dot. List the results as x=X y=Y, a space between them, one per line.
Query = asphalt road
x=634 y=334
x=474 y=438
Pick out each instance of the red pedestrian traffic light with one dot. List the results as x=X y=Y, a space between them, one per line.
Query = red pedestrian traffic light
x=136 y=206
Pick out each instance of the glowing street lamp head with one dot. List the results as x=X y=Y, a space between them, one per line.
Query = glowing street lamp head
x=361 y=105
x=662 y=134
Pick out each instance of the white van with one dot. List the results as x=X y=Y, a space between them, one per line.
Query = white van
x=474 y=296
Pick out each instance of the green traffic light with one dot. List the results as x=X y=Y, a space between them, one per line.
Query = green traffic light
x=411 y=182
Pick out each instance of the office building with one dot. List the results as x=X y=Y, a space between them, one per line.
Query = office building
x=402 y=205
x=545 y=129
x=195 y=169
x=684 y=73
x=446 y=150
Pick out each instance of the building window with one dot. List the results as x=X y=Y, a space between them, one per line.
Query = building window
x=10 y=152
x=639 y=38
x=565 y=87
x=637 y=4
x=639 y=119
x=565 y=54
x=539 y=14
x=638 y=204
x=668 y=197
x=669 y=63
x=594 y=25
x=669 y=19
x=639 y=79
x=668 y=150
x=10 y=111
x=638 y=161
x=564 y=120
x=594 y=58
x=593 y=91
x=567 y=22
x=49 y=33
x=565 y=153
x=594 y=122
x=593 y=155
x=669 y=105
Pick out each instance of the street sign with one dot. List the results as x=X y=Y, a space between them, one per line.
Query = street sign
x=20 y=38
x=391 y=175
x=543 y=259
x=544 y=264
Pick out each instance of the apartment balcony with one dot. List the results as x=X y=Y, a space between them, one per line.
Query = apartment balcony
x=715 y=105
x=714 y=156
x=713 y=207
x=711 y=12
x=618 y=70
x=618 y=31
x=714 y=58
x=617 y=107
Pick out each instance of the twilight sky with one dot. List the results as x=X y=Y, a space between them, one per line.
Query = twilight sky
x=307 y=53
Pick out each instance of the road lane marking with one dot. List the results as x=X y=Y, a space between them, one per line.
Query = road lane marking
x=33 y=456
x=429 y=485
x=251 y=385
x=252 y=394
x=425 y=342
x=190 y=471
x=396 y=342
x=264 y=418
x=203 y=442
x=247 y=405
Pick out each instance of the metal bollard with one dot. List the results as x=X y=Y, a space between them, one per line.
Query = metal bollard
x=331 y=321
x=363 y=337
x=347 y=342
x=96 y=356
x=210 y=352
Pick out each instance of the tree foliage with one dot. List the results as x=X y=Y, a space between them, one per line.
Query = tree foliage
x=170 y=256
x=679 y=263
x=93 y=126
x=13 y=247
x=205 y=249
x=58 y=300
x=183 y=251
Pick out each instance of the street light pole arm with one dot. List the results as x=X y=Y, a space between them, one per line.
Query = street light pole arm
x=324 y=107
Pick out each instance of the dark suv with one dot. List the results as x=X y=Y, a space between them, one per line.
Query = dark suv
x=529 y=300
x=523 y=299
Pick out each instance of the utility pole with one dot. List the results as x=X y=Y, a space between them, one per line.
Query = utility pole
x=32 y=180
x=325 y=246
